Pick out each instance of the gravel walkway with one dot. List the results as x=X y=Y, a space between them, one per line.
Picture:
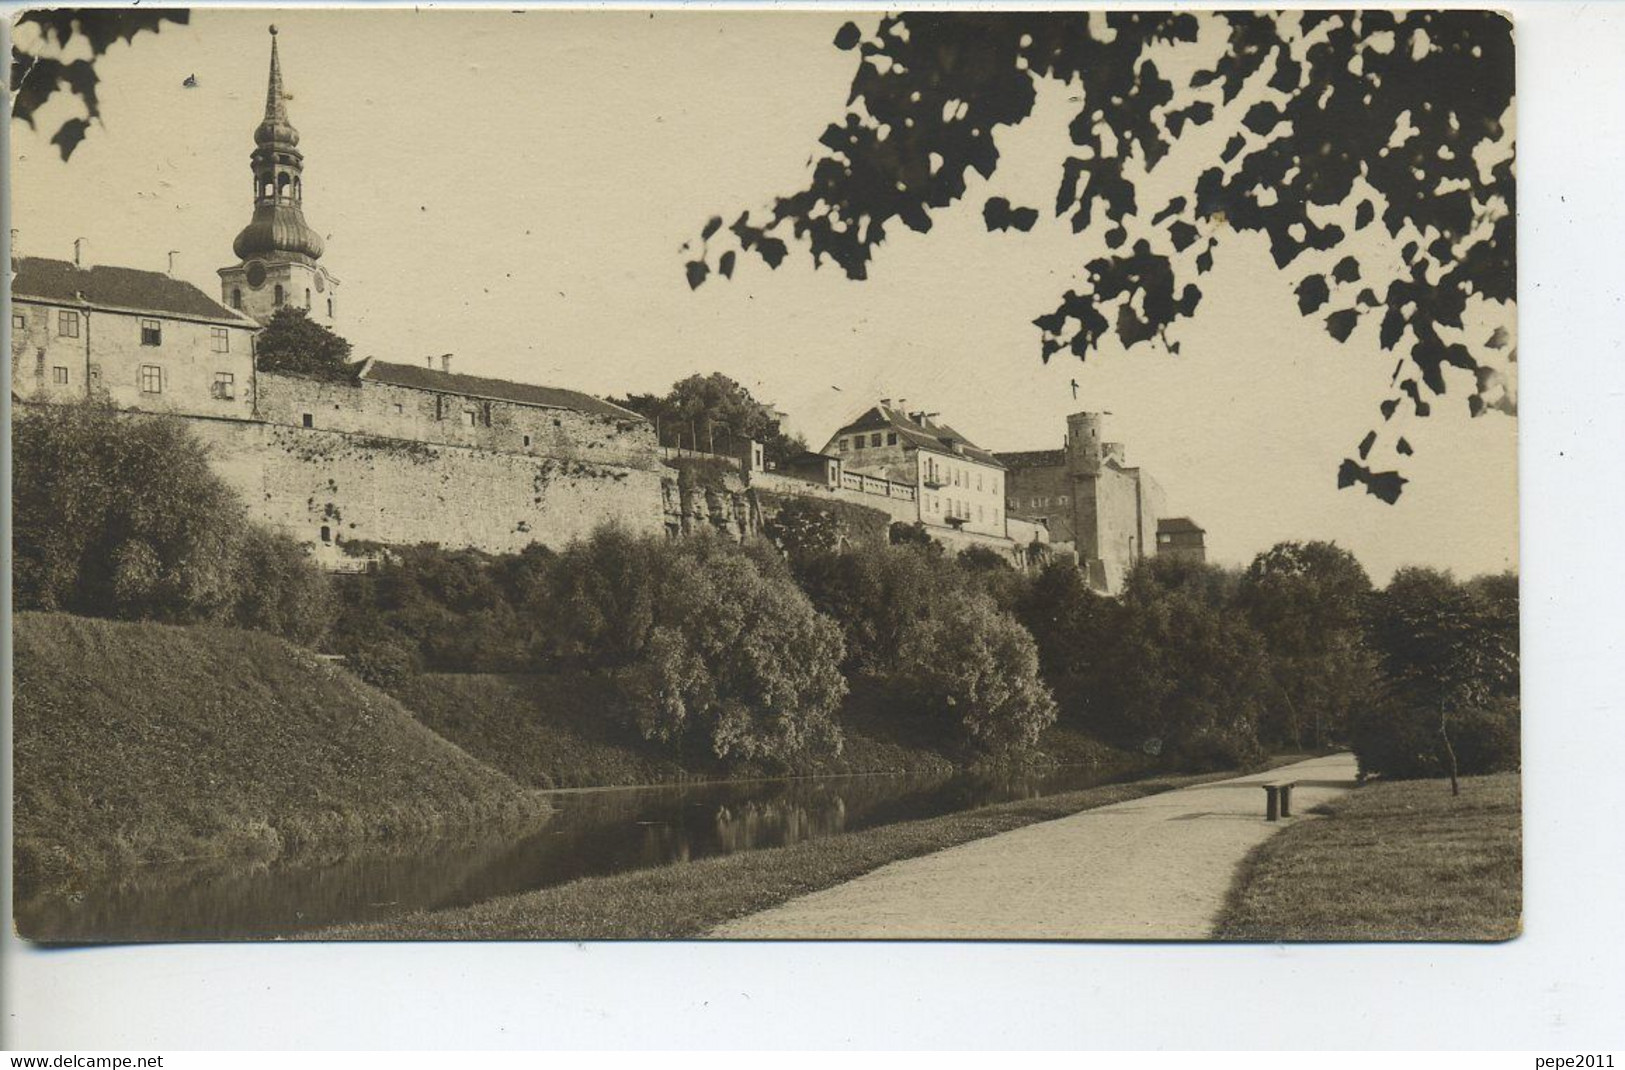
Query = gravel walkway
x=1155 y=868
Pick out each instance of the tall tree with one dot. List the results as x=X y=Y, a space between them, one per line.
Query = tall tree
x=1309 y=602
x=293 y=342
x=715 y=414
x=1343 y=121
x=1445 y=646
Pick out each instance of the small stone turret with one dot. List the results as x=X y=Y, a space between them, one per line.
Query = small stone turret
x=1083 y=445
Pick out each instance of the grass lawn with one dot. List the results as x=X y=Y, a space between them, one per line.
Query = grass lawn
x=1392 y=860
x=690 y=899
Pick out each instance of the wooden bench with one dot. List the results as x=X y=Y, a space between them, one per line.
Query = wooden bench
x=1278 y=799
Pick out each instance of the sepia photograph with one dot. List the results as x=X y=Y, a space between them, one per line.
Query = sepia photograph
x=764 y=475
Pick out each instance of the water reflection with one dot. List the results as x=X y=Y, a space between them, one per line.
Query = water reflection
x=591 y=834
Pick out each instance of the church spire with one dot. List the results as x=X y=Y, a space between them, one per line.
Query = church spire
x=276 y=102
x=278 y=227
x=277 y=252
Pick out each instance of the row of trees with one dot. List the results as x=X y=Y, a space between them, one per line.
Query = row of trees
x=747 y=651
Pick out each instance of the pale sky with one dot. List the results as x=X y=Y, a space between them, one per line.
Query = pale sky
x=516 y=189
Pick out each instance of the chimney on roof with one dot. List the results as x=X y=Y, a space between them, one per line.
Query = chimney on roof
x=79 y=252
x=428 y=362
x=445 y=362
x=173 y=253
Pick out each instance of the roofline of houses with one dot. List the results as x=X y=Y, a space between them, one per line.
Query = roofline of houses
x=153 y=313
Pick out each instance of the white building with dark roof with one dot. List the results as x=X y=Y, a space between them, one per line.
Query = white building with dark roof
x=957 y=484
x=138 y=339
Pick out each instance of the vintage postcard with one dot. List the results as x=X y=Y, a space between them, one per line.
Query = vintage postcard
x=628 y=474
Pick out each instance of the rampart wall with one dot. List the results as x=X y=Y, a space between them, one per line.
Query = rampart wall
x=327 y=488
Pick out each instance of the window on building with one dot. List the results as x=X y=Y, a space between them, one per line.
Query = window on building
x=468 y=417
x=67 y=324
x=152 y=379
x=439 y=406
x=220 y=339
x=1164 y=537
x=874 y=439
x=527 y=440
x=857 y=442
x=307 y=297
x=978 y=481
x=891 y=438
x=308 y=419
x=225 y=386
x=327 y=533
x=279 y=295
x=59 y=375
x=19 y=321
x=400 y=409
x=1061 y=500
x=329 y=308
x=485 y=414
x=152 y=333
x=843 y=445
x=237 y=297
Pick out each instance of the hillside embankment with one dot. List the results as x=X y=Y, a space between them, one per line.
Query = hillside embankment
x=138 y=743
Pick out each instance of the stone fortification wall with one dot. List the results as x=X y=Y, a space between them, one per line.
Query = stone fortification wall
x=328 y=488
x=383 y=409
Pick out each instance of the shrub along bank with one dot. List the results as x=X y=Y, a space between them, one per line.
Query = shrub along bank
x=139 y=742
x=550 y=731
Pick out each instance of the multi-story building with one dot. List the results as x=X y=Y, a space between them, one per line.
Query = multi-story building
x=138 y=339
x=957 y=484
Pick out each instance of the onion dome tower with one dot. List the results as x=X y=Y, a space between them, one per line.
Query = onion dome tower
x=278 y=251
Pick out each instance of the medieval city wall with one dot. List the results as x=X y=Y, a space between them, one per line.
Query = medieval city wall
x=327 y=488
x=385 y=410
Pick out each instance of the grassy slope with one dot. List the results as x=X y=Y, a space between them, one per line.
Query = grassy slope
x=1393 y=860
x=691 y=899
x=139 y=742
x=554 y=731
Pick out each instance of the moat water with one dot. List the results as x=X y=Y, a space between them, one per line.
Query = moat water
x=591 y=833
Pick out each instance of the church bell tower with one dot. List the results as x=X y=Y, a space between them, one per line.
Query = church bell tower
x=278 y=251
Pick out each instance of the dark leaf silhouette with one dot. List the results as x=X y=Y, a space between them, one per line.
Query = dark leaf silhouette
x=1341 y=324
x=1312 y=293
x=37 y=75
x=848 y=36
x=697 y=271
x=933 y=91
x=998 y=215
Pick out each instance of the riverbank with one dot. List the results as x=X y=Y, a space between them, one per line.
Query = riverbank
x=141 y=743
x=691 y=899
x=1393 y=860
x=551 y=731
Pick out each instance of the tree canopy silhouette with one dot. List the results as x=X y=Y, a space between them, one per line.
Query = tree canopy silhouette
x=1343 y=121
x=37 y=74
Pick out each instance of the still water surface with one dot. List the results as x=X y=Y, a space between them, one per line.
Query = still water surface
x=592 y=833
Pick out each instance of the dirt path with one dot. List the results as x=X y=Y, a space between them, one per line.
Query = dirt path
x=1153 y=868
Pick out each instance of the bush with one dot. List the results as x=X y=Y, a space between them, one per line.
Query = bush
x=1401 y=740
x=976 y=669
x=122 y=517
x=715 y=643
x=876 y=594
x=446 y=611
